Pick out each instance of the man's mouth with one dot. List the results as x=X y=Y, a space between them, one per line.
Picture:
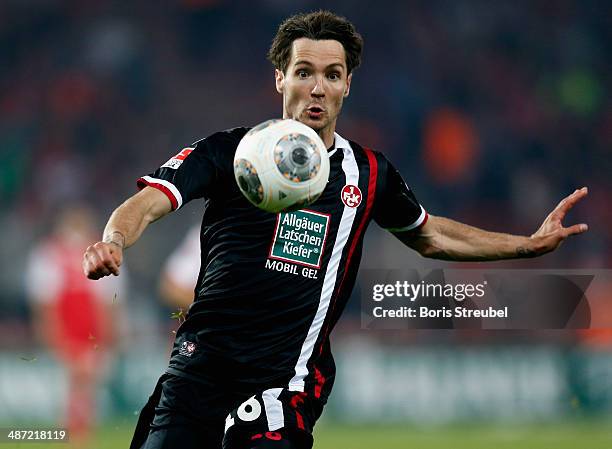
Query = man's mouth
x=315 y=111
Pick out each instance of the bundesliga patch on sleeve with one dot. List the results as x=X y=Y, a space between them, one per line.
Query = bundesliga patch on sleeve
x=176 y=161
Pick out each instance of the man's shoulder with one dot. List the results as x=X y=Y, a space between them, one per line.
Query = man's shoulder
x=225 y=138
x=361 y=152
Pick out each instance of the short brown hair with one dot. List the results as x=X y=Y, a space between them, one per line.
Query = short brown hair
x=318 y=25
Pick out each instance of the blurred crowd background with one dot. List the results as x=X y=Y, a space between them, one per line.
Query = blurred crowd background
x=492 y=111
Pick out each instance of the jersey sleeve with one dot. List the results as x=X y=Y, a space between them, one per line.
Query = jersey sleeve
x=397 y=209
x=190 y=174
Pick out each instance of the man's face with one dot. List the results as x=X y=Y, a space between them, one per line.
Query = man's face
x=315 y=84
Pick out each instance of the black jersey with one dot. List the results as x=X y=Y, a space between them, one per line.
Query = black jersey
x=272 y=286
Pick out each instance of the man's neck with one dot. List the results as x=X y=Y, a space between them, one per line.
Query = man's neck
x=327 y=136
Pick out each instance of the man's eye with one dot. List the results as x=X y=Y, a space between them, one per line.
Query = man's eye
x=302 y=74
x=334 y=76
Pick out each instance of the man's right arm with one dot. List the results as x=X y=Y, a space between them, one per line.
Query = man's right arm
x=123 y=229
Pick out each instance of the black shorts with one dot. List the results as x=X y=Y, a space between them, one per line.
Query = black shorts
x=194 y=414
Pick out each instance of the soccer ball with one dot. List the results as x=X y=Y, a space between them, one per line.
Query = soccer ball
x=281 y=165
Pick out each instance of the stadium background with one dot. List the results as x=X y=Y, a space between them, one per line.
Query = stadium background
x=493 y=111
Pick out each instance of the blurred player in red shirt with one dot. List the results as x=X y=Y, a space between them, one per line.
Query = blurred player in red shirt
x=74 y=316
x=180 y=273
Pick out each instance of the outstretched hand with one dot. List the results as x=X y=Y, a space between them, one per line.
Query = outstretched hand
x=552 y=233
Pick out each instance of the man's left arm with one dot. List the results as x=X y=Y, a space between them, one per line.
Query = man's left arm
x=442 y=238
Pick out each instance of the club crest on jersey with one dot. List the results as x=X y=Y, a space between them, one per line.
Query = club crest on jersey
x=351 y=195
x=175 y=161
x=187 y=348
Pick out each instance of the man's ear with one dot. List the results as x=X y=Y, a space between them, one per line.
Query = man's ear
x=348 y=85
x=279 y=77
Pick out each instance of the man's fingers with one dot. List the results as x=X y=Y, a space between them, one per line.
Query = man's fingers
x=96 y=273
x=575 y=229
x=568 y=202
x=99 y=262
x=108 y=259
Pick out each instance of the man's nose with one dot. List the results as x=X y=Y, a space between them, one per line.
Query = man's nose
x=318 y=90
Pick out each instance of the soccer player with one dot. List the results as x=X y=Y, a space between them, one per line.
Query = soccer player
x=252 y=366
x=76 y=317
